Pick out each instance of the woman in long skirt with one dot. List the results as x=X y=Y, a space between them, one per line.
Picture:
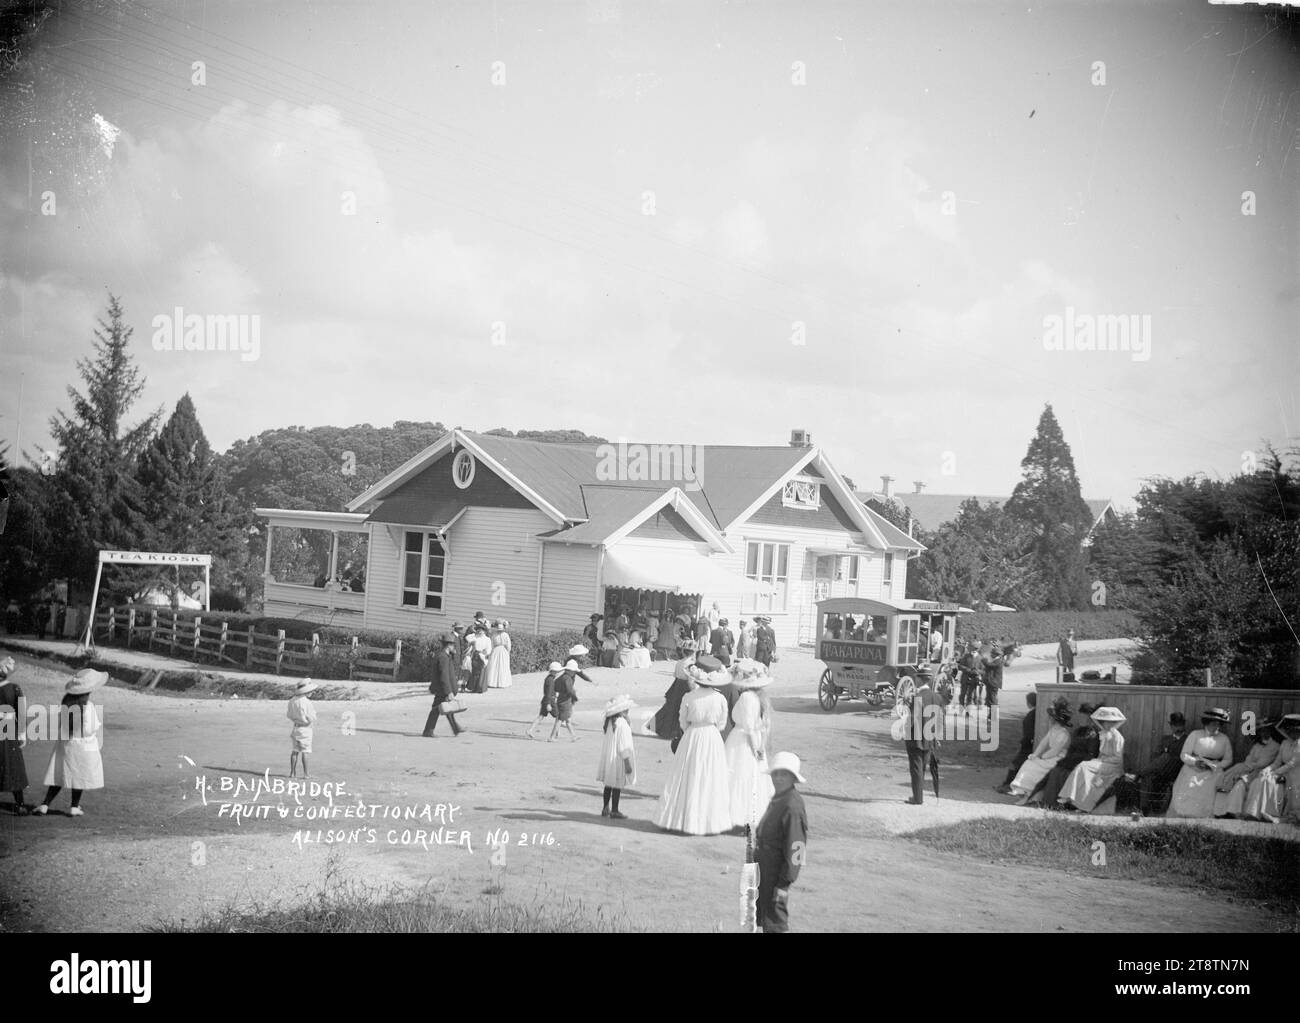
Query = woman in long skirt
x=1086 y=783
x=498 y=662
x=1234 y=784
x=695 y=800
x=76 y=760
x=1046 y=754
x=13 y=768
x=667 y=724
x=1207 y=753
x=749 y=785
x=1275 y=793
x=479 y=648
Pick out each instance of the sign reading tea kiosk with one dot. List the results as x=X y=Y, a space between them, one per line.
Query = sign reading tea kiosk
x=143 y=558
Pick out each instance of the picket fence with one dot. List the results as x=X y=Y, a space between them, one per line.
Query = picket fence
x=190 y=639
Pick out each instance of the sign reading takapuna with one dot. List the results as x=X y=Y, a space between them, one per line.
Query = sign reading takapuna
x=152 y=558
x=853 y=653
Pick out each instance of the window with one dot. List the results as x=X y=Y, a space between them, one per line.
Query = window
x=853 y=571
x=767 y=563
x=909 y=639
x=424 y=571
x=463 y=468
x=801 y=493
x=887 y=576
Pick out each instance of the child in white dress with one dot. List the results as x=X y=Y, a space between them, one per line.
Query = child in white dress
x=303 y=716
x=617 y=756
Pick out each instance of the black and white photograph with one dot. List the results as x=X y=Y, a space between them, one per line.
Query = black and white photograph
x=646 y=466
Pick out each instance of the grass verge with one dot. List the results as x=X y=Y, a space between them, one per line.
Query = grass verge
x=1247 y=867
x=356 y=908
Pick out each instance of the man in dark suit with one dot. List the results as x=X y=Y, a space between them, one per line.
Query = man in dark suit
x=1157 y=776
x=722 y=642
x=992 y=663
x=1084 y=745
x=444 y=684
x=764 y=641
x=922 y=735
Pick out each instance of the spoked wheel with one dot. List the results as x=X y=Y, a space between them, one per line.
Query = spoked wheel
x=828 y=693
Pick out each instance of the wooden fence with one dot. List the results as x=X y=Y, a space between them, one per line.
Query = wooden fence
x=188 y=638
x=1148 y=708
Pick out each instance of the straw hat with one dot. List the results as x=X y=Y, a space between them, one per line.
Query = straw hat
x=618 y=704
x=570 y=665
x=305 y=686
x=1216 y=714
x=1060 y=711
x=577 y=650
x=1109 y=714
x=786 y=762
x=706 y=678
x=87 y=680
x=555 y=666
x=708 y=662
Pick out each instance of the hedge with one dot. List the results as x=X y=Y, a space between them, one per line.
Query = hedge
x=1049 y=626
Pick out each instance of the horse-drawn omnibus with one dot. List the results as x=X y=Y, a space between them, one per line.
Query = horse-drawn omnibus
x=867 y=644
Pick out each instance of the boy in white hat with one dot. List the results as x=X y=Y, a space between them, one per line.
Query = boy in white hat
x=303 y=716
x=547 y=709
x=617 y=756
x=780 y=845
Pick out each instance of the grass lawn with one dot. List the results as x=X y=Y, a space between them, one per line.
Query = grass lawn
x=1212 y=862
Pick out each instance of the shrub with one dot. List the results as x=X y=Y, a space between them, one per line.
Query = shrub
x=1049 y=626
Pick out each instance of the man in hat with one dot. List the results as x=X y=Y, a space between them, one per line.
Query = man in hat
x=1066 y=651
x=1156 y=777
x=780 y=844
x=1085 y=744
x=922 y=741
x=1026 y=743
x=764 y=641
x=722 y=642
x=591 y=633
x=991 y=663
x=443 y=686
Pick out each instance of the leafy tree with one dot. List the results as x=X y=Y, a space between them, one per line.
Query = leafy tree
x=893 y=510
x=99 y=502
x=1119 y=561
x=1048 y=501
x=983 y=557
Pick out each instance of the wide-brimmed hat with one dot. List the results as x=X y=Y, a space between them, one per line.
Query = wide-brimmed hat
x=1288 y=723
x=1109 y=714
x=1060 y=711
x=707 y=662
x=786 y=762
x=571 y=665
x=618 y=704
x=7 y=665
x=555 y=666
x=305 y=686
x=712 y=679
x=1216 y=714
x=577 y=650
x=87 y=680
x=751 y=680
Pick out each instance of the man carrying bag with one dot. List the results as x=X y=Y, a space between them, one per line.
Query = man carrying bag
x=443 y=687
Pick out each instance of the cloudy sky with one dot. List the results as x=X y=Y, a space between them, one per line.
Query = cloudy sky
x=708 y=222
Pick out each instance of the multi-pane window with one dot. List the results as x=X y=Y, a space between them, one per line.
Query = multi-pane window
x=909 y=639
x=853 y=571
x=768 y=563
x=424 y=571
x=887 y=576
x=801 y=493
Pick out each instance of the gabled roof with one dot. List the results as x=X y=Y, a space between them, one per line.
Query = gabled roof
x=933 y=510
x=614 y=511
x=565 y=481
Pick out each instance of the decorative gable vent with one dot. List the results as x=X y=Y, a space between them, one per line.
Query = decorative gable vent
x=802 y=493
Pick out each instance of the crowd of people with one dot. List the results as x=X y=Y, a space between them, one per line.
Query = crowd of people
x=1079 y=765
x=633 y=637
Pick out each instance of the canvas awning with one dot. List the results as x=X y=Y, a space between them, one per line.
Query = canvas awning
x=675 y=572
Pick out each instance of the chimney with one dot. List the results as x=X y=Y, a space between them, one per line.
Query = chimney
x=919 y=484
x=800 y=439
x=887 y=485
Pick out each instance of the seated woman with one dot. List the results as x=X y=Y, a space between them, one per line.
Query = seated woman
x=1275 y=792
x=1047 y=753
x=1234 y=784
x=1207 y=752
x=1087 y=782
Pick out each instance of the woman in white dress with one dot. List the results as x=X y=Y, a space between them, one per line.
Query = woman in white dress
x=76 y=761
x=1052 y=747
x=1275 y=792
x=1235 y=782
x=497 y=670
x=749 y=784
x=1086 y=783
x=695 y=800
x=1207 y=753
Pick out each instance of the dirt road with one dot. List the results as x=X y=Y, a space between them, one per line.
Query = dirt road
x=150 y=848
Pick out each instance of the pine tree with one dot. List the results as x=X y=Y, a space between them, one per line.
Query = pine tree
x=1048 y=501
x=96 y=469
x=184 y=495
